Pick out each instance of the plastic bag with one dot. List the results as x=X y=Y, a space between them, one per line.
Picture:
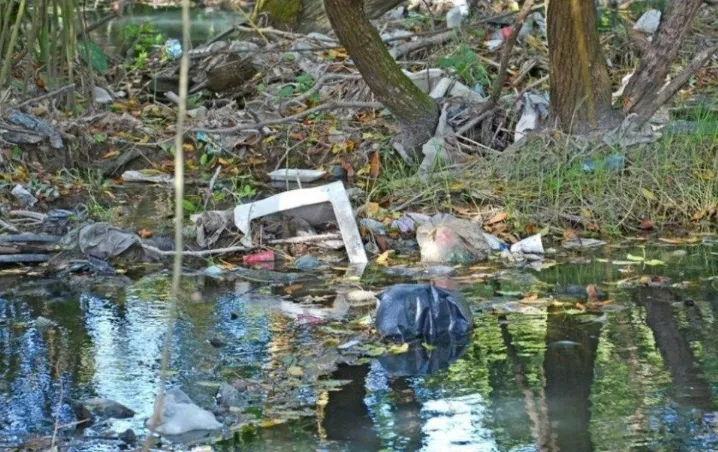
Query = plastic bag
x=411 y=311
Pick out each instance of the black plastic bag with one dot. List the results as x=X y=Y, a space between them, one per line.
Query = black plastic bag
x=422 y=311
x=421 y=361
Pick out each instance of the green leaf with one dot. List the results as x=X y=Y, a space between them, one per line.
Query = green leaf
x=93 y=55
x=649 y=194
x=631 y=257
x=188 y=206
x=654 y=262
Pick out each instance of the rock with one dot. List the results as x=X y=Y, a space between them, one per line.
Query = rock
x=180 y=415
x=98 y=408
x=648 y=23
x=230 y=396
x=102 y=96
x=216 y=342
x=449 y=240
x=128 y=437
x=23 y=196
x=43 y=323
x=307 y=263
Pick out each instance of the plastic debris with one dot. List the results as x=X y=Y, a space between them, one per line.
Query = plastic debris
x=374 y=226
x=582 y=243
x=258 y=258
x=536 y=108
x=138 y=176
x=23 y=196
x=612 y=162
x=296 y=175
x=449 y=240
x=101 y=240
x=180 y=415
x=648 y=23
x=333 y=193
x=411 y=311
x=36 y=125
x=102 y=96
x=495 y=243
x=173 y=47
x=456 y=15
x=529 y=245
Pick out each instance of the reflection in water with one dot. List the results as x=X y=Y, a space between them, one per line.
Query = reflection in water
x=568 y=370
x=641 y=376
x=690 y=386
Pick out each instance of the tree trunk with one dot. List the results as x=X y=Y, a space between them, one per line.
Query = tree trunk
x=415 y=111
x=656 y=63
x=305 y=16
x=580 y=84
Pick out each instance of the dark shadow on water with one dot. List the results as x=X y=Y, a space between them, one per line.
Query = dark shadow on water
x=690 y=387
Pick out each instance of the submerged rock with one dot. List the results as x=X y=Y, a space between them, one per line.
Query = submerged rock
x=180 y=415
x=98 y=408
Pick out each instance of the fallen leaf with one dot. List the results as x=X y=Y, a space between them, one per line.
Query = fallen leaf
x=144 y=233
x=295 y=371
x=375 y=162
x=383 y=258
x=646 y=224
x=498 y=218
x=653 y=262
x=649 y=194
x=399 y=349
x=111 y=154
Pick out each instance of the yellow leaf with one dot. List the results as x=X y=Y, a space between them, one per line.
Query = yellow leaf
x=383 y=258
x=648 y=194
x=631 y=257
x=499 y=217
x=399 y=349
x=111 y=154
x=372 y=209
x=654 y=262
x=295 y=371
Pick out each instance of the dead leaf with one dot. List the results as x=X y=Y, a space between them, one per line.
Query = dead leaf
x=111 y=154
x=295 y=371
x=383 y=258
x=144 y=233
x=646 y=224
x=375 y=162
x=399 y=349
x=499 y=217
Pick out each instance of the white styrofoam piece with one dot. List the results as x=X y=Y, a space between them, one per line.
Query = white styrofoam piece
x=333 y=193
x=296 y=175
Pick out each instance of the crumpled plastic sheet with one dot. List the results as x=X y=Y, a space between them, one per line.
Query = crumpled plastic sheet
x=422 y=311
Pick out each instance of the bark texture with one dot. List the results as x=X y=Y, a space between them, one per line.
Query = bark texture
x=580 y=84
x=655 y=64
x=415 y=111
x=306 y=16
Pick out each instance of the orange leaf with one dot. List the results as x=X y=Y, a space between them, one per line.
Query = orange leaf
x=144 y=233
x=375 y=163
x=499 y=217
x=111 y=154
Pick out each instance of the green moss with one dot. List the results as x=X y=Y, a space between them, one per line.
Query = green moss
x=283 y=14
